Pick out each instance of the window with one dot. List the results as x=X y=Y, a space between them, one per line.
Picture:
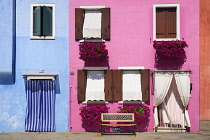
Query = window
x=42 y=21
x=92 y=22
x=114 y=85
x=166 y=21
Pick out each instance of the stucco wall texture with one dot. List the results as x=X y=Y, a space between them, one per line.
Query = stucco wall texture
x=32 y=55
x=131 y=45
x=204 y=60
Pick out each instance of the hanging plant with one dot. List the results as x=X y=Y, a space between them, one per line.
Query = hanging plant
x=141 y=113
x=170 y=49
x=91 y=115
x=93 y=51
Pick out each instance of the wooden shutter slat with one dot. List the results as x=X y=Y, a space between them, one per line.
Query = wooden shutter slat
x=47 y=21
x=108 y=86
x=171 y=23
x=160 y=23
x=117 y=85
x=145 y=84
x=105 y=24
x=79 y=20
x=81 y=85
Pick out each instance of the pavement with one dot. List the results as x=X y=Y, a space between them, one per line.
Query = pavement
x=204 y=134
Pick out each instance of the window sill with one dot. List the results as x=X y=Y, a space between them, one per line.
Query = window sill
x=131 y=102
x=94 y=102
x=166 y=39
x=42 y=37
x=92 y=40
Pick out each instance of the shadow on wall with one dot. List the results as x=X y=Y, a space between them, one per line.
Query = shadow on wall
x=169 y=63
x=97 y=64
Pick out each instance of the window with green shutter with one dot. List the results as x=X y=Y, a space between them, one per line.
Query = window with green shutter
x=42 y=21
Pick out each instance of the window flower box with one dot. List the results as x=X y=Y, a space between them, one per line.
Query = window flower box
x=93 y=51
x=170 y=49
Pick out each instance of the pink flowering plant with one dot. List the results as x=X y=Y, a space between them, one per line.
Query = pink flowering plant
x=91 y=115
x=93 y=51
x=170 y=48
x=141 y=112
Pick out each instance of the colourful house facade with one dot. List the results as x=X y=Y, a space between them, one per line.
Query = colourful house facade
x=21 y=54
x=204 y=61
x=128 y=32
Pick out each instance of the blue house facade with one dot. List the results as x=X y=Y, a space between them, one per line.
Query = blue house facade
x=30 y=50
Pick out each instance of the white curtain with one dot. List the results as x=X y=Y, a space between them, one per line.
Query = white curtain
x=132 y=85
x=162 y=83
x=173 y=108
x=92 y=24
x=95 y=86
x=183 y=85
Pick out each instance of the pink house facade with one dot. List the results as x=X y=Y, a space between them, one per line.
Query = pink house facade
x=132 y=30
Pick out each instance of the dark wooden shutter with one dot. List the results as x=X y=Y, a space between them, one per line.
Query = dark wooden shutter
x=105 y=24
x=47 y=21
x=145 y=84
x=79 y=20
x=81 y=85
x=108 y=86
x=37 y=21
x=166 y=22
x=160 y=23
x=117 y=85
x=170 y=22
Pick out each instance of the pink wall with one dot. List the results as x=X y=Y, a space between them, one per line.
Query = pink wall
x=130 y=45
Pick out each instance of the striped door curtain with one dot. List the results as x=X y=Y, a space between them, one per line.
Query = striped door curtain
x=40 y=109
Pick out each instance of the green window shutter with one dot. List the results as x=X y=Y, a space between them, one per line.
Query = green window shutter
x=47 y=21
x=37 y=21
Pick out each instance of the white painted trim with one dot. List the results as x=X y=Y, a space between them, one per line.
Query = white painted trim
x=131 y=68
x=131 y=102
x=94 y=102
x=95 y=68
x=177 y=21
x=92 y=7
x=40 y=76
x=31 y=22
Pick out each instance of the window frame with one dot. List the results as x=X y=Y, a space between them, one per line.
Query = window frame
x=95 y=8
x=31 y=21
x=177 y=6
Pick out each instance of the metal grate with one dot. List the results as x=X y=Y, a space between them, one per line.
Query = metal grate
x=119 y=117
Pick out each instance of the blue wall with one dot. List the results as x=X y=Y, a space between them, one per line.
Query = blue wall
x=30 y=56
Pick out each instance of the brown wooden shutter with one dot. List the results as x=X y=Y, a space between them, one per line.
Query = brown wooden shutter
x=117 y=85
x=170 y=23
x=79 y=20
x=160 y=23
x=108 y=86
x=166 y=22
x=105 y=24
x=81 y=85
x=145 y=84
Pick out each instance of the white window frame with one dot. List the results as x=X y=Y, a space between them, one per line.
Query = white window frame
x=131 y=69
x=31 y=22
x=95 y=8
x=95 y=69
x=177 y=21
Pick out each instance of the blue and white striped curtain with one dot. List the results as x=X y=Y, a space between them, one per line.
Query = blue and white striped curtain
x=40 y=110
